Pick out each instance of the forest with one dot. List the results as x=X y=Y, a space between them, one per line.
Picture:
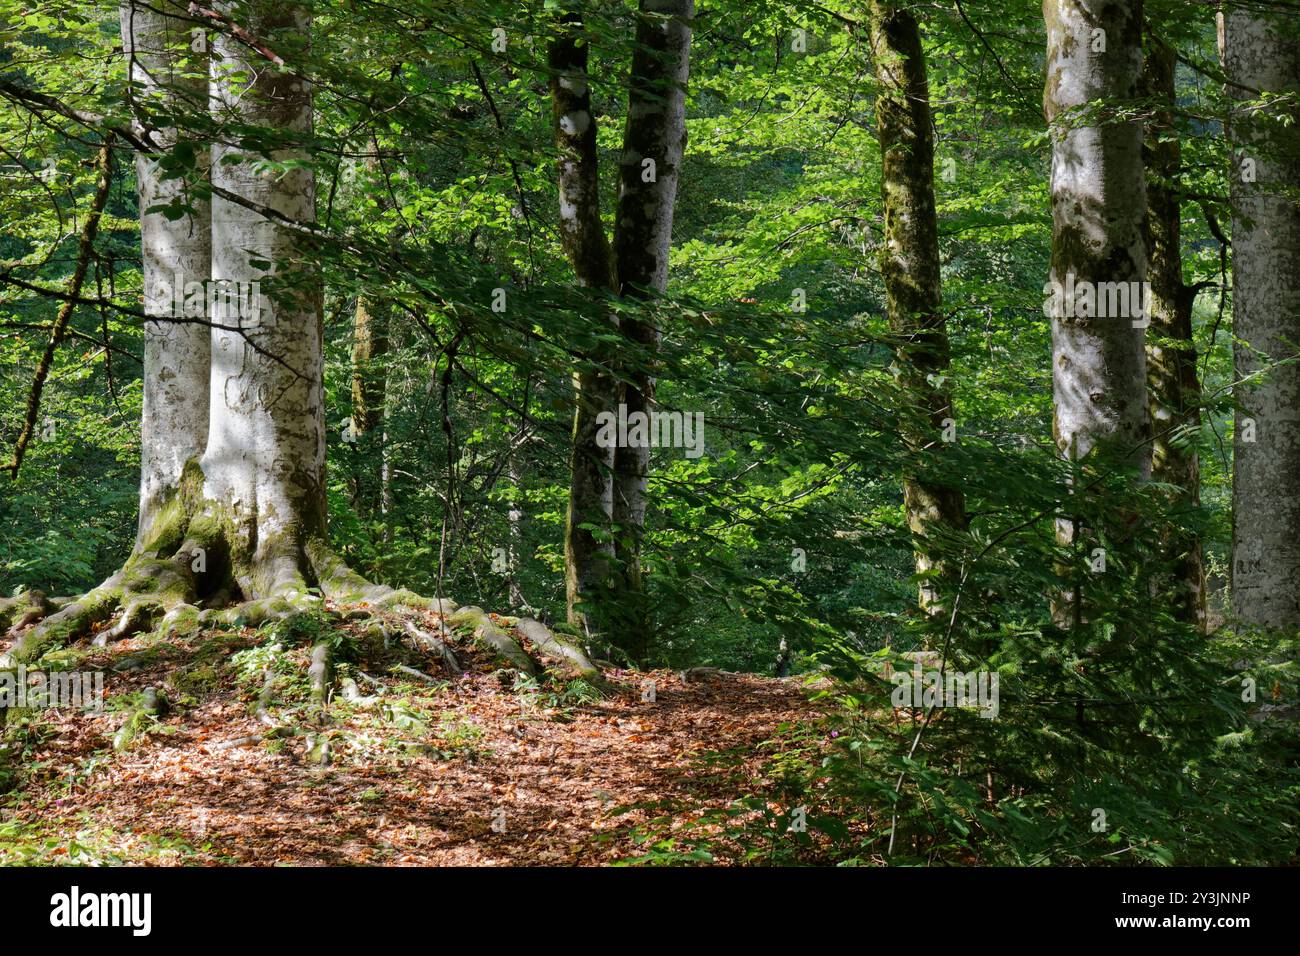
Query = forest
x=650 y=433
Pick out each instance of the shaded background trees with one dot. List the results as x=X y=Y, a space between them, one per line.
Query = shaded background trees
x=437 y=184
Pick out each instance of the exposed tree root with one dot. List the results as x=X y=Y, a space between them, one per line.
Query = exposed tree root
x=264 y=700
x=72 y=622
x=494 y=640
x=28 y=608
x=319 y=674
x=412 y=672
x=433 y=645
x=153 y=705
x=195 y=571
x=564 y=654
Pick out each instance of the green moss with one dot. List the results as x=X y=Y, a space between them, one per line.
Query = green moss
x=95 y=606
x=206 y=529
x=167 y=531
x=468 y=617
x=181 y=620
x=195 y=681
x=64 y=658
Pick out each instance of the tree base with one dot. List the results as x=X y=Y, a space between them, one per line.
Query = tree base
x=195 y=570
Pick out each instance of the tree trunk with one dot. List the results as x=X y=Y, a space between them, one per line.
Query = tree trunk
x=1173 y=391
x=655 y=131
x=248 y=519
x=515 y=530
x=264 y=467
x=1263 y=56
x=369 y=388
x=909 y=266
x=1098 y=203
x=587 y=550
x=168 y=74
x=1094 y=61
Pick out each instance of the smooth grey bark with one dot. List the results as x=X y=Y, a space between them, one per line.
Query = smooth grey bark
x=1262 y=56
x=1094 y=62
x=256 y=498
x=909 y=266
x=155 y=582
x=1173 y=391
x=167 y=74
x=1098 y=203
x=264 y=466
x=587 y=551
x=655 y=131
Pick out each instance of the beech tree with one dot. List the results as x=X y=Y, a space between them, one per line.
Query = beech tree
x=606 y=514
x=166 y=53
x=1262 y=56
x=1094 y=59
x=1173 y=390
x=244 y=518
x=264 y=463
x=320 y=252
x=587 y=543
x=909 y=265
x=1098 y=261
x=654 y=141
x=369 y=388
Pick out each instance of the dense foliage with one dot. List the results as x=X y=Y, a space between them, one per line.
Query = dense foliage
x=783 y=547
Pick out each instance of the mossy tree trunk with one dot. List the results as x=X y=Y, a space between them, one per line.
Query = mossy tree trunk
x=369 y=392
x=654 y=141
x=909 y=266
x=587 y=546
x=1173 y=390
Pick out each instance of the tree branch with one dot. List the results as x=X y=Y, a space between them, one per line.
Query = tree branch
x=104 y=162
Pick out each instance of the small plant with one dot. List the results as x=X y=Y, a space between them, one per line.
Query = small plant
x=573 y=693
x=460 y=738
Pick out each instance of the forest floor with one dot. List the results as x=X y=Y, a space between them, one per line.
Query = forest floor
x=469 y=770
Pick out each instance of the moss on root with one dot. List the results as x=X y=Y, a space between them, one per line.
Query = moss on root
x=23 y=609
x=181 y=620
x=488 y=637
x=559 y=652
x=197 y=551
x=68 y=624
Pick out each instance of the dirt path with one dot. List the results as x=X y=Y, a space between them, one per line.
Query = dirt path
x=469 y=771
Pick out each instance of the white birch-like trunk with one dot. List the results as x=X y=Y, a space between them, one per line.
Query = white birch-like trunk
x=168 y=63
x=1262 y=55
x=264 y=466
